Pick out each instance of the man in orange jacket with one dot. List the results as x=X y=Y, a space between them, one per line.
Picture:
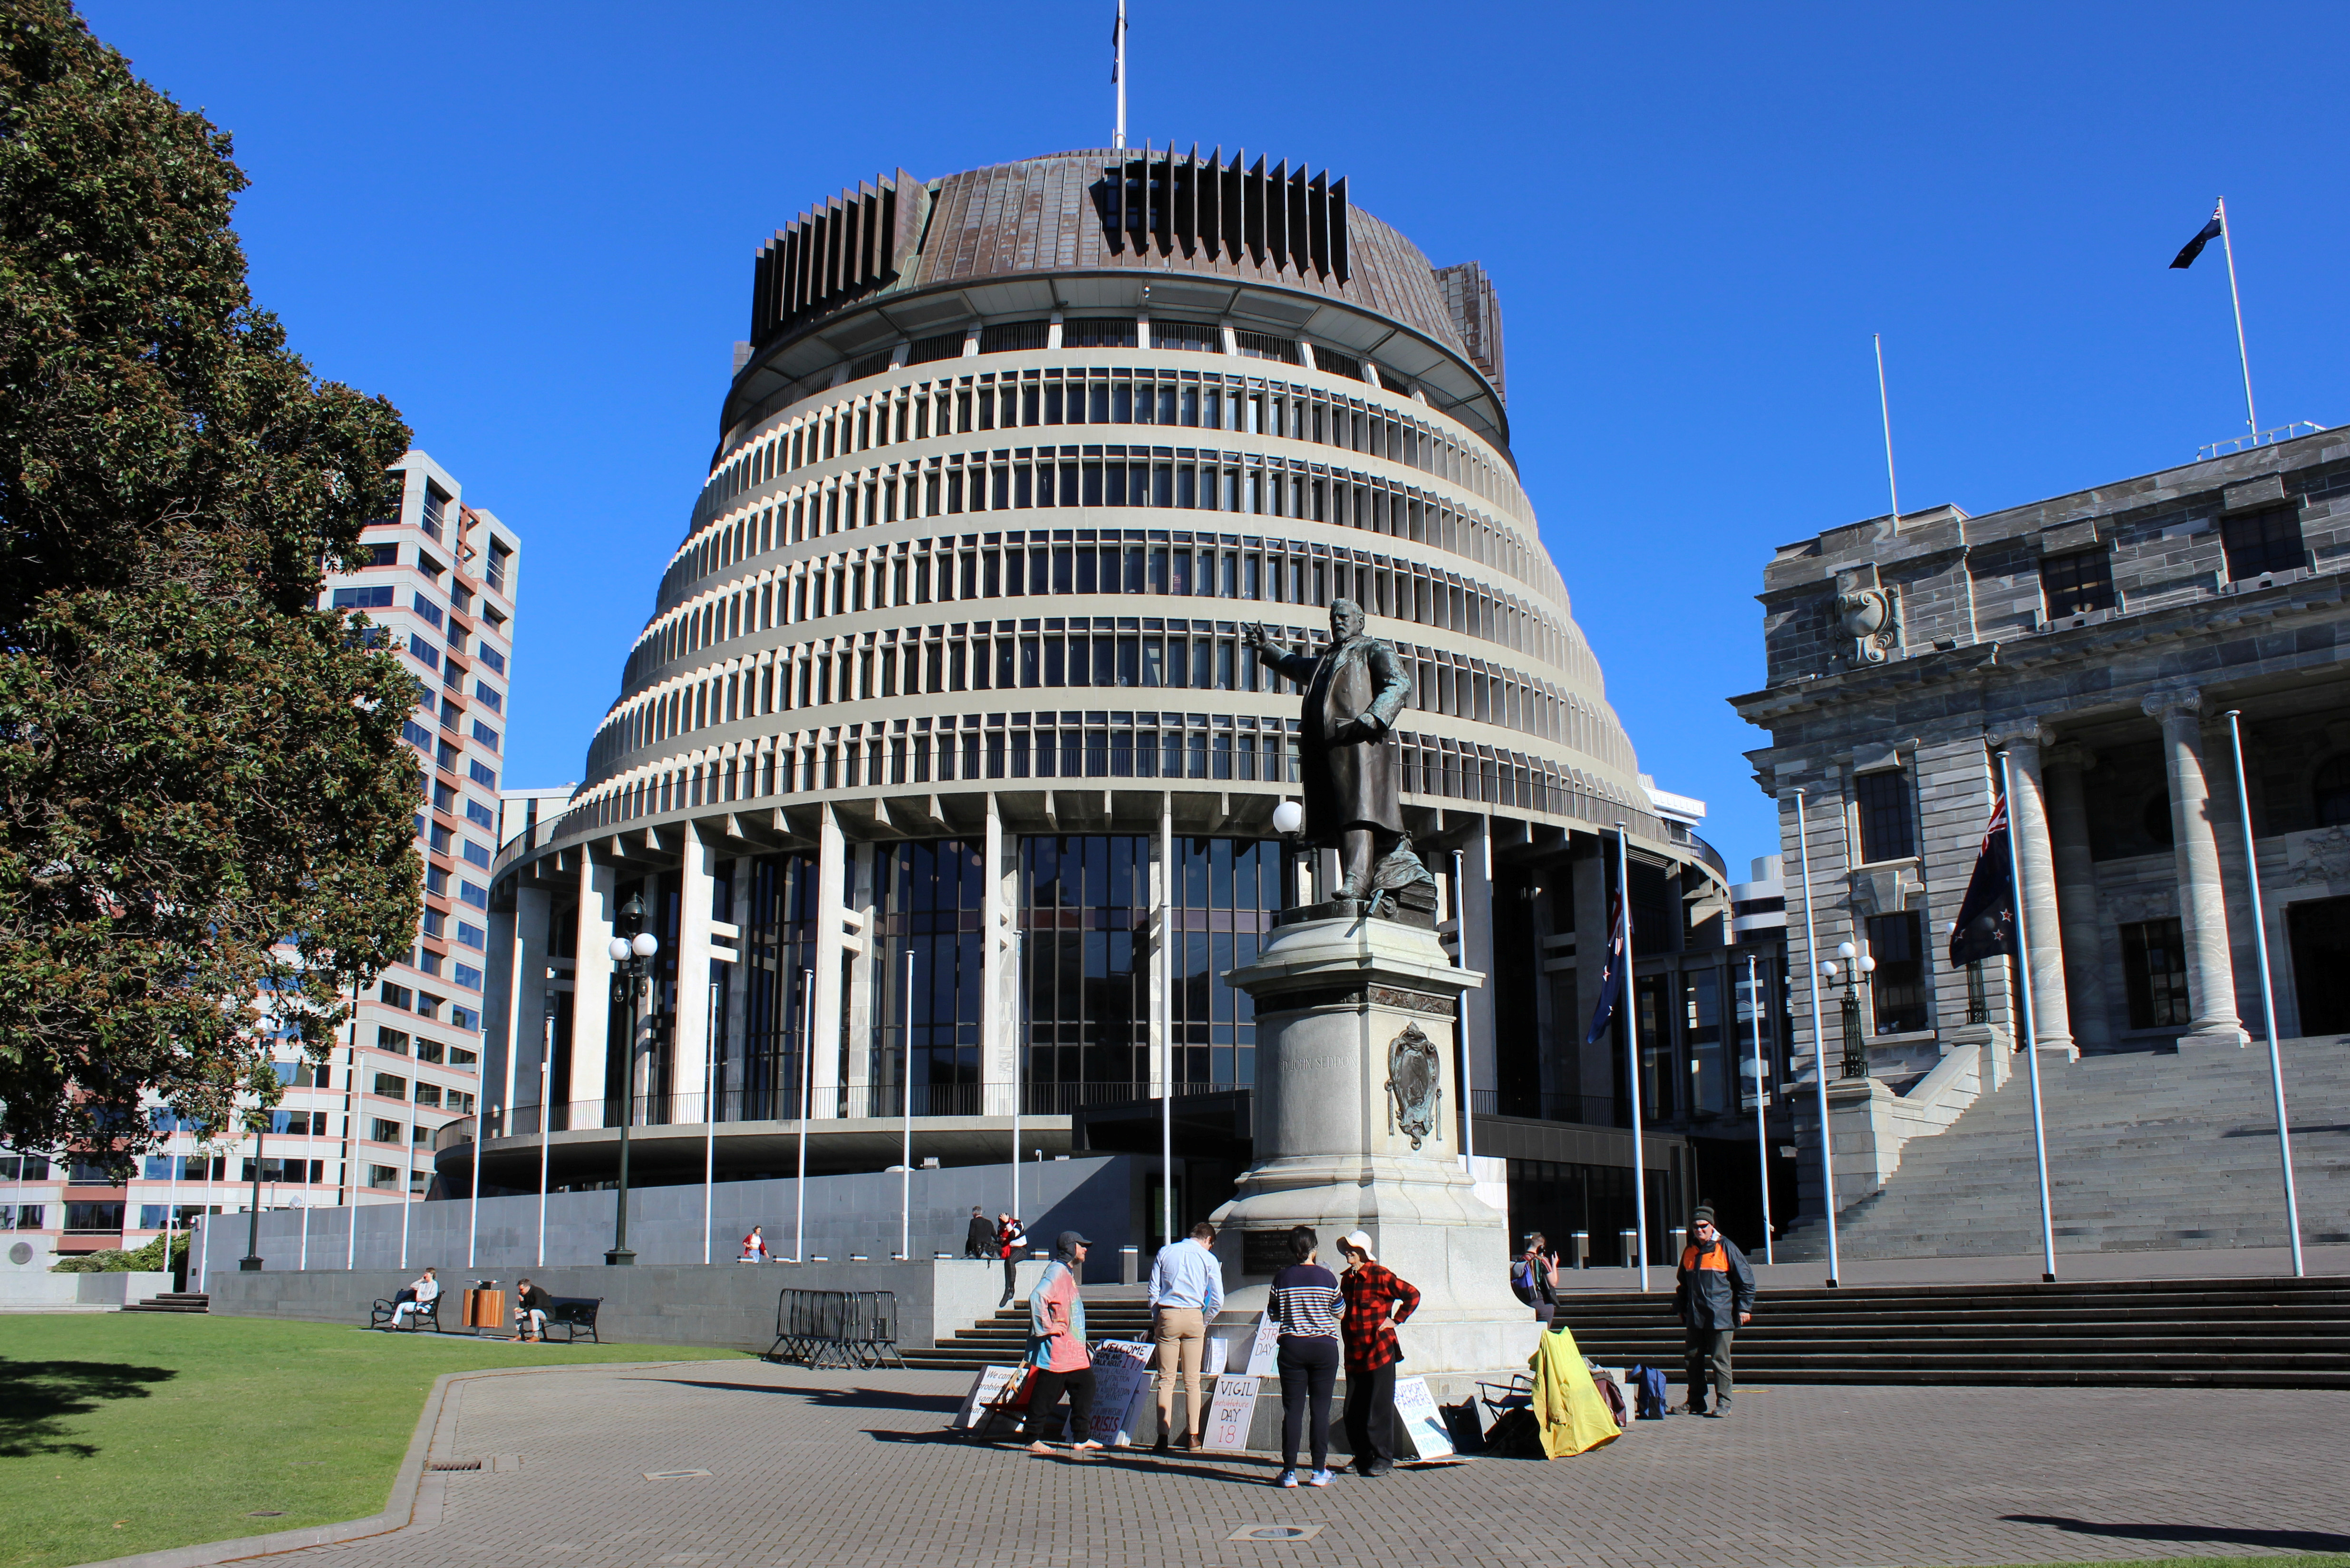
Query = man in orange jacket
x=1715 y=1299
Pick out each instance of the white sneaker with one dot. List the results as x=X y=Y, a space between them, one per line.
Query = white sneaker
x=1319 y=1477
x=1288 y=1478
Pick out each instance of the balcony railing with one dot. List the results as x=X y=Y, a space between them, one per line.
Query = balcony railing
x=870 y=1102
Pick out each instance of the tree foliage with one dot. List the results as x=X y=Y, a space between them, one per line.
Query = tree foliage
x=205 y=810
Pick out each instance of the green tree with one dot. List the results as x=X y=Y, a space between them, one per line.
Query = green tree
x=205 y=810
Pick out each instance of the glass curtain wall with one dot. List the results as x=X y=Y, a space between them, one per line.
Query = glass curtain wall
x=929 y=898
x=778 y=945
x=1225 y=894
x=1085 y=913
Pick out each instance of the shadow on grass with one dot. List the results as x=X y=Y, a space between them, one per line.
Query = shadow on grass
x=2234 y=1535
x=34 y=1396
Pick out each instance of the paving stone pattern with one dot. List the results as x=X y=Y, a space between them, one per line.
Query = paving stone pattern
x=854 y=1470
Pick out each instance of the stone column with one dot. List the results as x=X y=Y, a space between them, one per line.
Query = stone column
x=690 y=1051
x=591 y=986
x=2076 y=893
x=2202 y=898
x=824 y=1016
x=1477 y=954
x=524 y=1035
x=2027 y=816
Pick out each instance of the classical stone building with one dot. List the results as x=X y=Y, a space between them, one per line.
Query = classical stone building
x=2101 y=638
x=1040 y=434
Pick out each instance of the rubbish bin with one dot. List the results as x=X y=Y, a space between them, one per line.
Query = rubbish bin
x=1129 y=1265
x=1630 y=1242
x=1582 y=1240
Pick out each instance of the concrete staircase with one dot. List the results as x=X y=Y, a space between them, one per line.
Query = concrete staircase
x=174 y=1300
x=2222 y=1333
x=2146 y=1151
x=999 y=1341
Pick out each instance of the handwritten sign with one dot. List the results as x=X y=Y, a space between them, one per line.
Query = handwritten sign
x=1264 y=1354
x=992 y=1384
x=1121 y=1386
x=1418 y=1420
x=1229 y=1414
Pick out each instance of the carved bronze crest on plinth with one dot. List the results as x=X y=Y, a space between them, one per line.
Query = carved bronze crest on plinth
x=1416 y=1079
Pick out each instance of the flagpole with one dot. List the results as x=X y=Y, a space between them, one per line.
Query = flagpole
x=906 y=1157
x=1819 y=1044
x=2228 y=245
x=1762 y=1134
x=2024 y=1015
x=2268 y=992
x=1117 y=75
x=807 y=1079
x=1631 y=1047
x=1885 y=408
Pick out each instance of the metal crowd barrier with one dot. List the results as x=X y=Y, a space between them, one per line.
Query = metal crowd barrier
x=835 y=1328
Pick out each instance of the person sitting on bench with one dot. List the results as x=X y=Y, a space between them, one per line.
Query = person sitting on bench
x=531 y=1307
x=422 y=1290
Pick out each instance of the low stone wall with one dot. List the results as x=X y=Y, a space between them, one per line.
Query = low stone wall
x=719 y=1306
x=22 y=1290
x=1100 y=1195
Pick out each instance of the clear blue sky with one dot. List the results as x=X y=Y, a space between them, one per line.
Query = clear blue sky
x=532 y=228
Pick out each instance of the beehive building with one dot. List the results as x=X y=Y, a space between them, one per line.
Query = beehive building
x=941 y=768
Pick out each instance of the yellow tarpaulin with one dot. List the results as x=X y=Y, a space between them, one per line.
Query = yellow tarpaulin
x=1572 y=1413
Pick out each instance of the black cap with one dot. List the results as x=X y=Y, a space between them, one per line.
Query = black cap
x=1068 y=1241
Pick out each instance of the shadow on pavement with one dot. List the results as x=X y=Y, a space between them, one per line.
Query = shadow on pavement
x=2273 y=1540
x=832 y=1398
x=33 y=1395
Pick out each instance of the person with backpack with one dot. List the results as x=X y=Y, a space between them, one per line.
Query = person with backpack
x=1715 y=1298
x=1534 y=1278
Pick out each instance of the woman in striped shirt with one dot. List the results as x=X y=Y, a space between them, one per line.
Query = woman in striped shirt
x=1305 y=1302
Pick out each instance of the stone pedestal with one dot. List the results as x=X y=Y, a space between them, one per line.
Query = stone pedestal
x=1351 y=1011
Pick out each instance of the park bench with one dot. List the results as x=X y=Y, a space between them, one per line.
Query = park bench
x=575 y=1316
x=385 y=1314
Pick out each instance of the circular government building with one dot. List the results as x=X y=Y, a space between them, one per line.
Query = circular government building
x=943 y=771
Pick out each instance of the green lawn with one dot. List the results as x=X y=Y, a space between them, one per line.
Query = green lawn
x=131 y=1432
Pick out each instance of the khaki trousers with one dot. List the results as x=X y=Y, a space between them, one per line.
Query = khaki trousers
x=1182 y=1338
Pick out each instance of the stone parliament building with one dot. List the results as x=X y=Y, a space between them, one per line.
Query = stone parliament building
x=1000 y=446
x=2101 y=638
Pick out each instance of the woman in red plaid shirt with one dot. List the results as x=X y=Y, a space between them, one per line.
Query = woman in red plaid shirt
x=1366 y=1332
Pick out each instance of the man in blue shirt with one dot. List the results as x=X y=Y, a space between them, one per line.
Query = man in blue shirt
x=1187 y=1292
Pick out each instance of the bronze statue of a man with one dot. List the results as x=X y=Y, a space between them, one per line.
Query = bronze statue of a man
x=1353 y=690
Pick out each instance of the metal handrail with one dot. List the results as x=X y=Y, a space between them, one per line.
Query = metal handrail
x=2210 y=449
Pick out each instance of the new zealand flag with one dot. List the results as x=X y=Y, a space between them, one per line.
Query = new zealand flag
x=1986 y=926
x=1611 y=979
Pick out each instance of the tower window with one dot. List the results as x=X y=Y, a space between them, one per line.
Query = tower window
x=2078 y=584
x=2265 y=541
x=1886 y=829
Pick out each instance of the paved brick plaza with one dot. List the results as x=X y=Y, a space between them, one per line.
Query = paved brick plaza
x=855 y=1469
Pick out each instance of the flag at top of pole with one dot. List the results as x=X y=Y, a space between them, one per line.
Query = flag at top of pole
x=2216 y=229
x=2194 y=248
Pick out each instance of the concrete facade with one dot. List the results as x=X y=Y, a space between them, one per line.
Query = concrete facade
x=2099 y=641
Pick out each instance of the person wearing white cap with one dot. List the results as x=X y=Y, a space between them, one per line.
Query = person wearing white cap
x=1371 y=1292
